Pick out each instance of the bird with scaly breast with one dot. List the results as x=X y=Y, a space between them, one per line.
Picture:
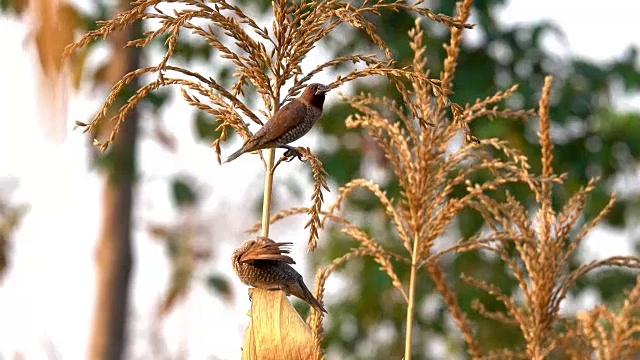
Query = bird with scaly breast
x=262 y=263
x=288 y=124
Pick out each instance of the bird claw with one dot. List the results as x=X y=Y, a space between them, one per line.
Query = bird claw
x=291 y=154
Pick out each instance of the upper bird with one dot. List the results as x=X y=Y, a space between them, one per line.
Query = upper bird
x=288 y=124
x=262 y=263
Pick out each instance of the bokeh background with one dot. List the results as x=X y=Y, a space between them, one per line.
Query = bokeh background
x=189 y=213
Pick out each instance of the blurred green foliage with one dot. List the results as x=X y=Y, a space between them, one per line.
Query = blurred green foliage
x=183 y=193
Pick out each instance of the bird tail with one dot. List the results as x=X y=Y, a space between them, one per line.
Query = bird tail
x=252 y=144
x=303 y=293
x=235 y=155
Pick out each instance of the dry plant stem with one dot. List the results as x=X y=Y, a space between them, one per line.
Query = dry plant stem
x=412 y=291
x=268 y=185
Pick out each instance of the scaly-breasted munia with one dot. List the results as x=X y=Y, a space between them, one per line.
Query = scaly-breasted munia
x=262 y=263
x=288 y=124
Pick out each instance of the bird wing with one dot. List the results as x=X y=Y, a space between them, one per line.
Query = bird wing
x=283 y=121
x=267 y=251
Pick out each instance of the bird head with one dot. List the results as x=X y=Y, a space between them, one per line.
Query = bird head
x=319 y=89
x=314 y=94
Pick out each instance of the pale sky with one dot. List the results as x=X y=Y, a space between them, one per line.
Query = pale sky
x=46 y=300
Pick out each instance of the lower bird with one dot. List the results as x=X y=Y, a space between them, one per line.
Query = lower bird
x=262 y=263
x=288 y=124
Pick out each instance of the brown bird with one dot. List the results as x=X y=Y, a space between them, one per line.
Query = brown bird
x=288 y=124
x=261 y=263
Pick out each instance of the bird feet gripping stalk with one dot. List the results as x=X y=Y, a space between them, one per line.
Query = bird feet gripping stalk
x=291 y=154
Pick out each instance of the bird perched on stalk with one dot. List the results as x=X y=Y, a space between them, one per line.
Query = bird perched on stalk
x=288 y=124
x=262 y=263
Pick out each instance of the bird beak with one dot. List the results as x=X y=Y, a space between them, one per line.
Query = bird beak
x=321 y=89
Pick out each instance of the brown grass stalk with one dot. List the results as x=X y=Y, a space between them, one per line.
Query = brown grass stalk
x=268 y=185
x=412 y=296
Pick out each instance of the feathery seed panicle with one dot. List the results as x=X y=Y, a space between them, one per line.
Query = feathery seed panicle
x=295 y=30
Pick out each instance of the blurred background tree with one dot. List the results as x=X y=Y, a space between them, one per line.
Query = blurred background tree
x=591 y=137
